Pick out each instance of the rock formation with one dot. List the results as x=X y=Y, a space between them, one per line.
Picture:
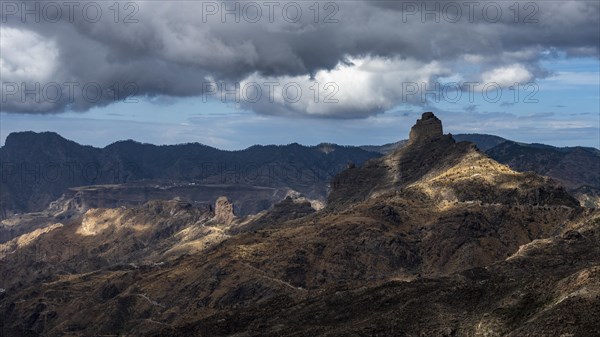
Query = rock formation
x=429 y=127
x=224 y=211
x=434 y=164
x=435 y=239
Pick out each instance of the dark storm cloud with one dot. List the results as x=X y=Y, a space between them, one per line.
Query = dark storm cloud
x=177 y=49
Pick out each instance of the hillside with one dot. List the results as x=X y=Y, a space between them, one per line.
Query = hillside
x=576 y=168
x=436 y=239
x=37 y=168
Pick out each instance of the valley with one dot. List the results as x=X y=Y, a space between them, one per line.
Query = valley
x=435 y=238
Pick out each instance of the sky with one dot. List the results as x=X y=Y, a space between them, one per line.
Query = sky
x=231 y=74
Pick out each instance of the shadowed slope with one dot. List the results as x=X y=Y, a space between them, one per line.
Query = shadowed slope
x=393 y=253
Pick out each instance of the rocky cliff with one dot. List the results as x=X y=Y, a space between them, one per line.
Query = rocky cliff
x=434 y=164
x=576 y=168
x=435 y=239
x=428 y=128
x=224 y=211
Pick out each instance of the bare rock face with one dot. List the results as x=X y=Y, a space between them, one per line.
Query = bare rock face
x=429 y=127
x=224 y=211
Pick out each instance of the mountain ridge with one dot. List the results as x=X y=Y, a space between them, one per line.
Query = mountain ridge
x=38 y=167
x=576 y=167
x=306 y=169
x=433 y=239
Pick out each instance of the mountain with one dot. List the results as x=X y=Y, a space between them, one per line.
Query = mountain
x=37 y=168
x=385 y=148
x=434 y=239
x=484 y=142
x=577 y=168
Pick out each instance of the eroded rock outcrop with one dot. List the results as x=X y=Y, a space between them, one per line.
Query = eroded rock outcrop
x=424 y=232
x=224 y=211
x=429 y=127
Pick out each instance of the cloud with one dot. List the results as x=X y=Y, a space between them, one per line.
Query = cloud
x=508 y=75
x=356 y=88
x=26 y=56
x=172 y=49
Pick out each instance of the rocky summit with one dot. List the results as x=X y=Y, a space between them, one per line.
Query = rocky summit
x=429 y=127
x=433 y=239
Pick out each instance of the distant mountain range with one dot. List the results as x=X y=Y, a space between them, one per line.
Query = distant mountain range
x=484 y=142
x=37 y=168
x=434 y=239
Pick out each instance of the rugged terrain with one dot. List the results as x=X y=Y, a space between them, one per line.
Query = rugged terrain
x=37 y=168
x=576 y=168
x=434 y=239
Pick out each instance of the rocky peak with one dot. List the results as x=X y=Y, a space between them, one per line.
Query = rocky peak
x=224 y=211
x=429 y=127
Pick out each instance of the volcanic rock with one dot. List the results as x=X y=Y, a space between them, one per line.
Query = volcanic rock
x=224 y=211
x=429 y=127
x=427 y=241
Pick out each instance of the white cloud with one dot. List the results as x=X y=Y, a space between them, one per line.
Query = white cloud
x=170 y=49
x=26 y=56
x=363 y=87
x=508 y=75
